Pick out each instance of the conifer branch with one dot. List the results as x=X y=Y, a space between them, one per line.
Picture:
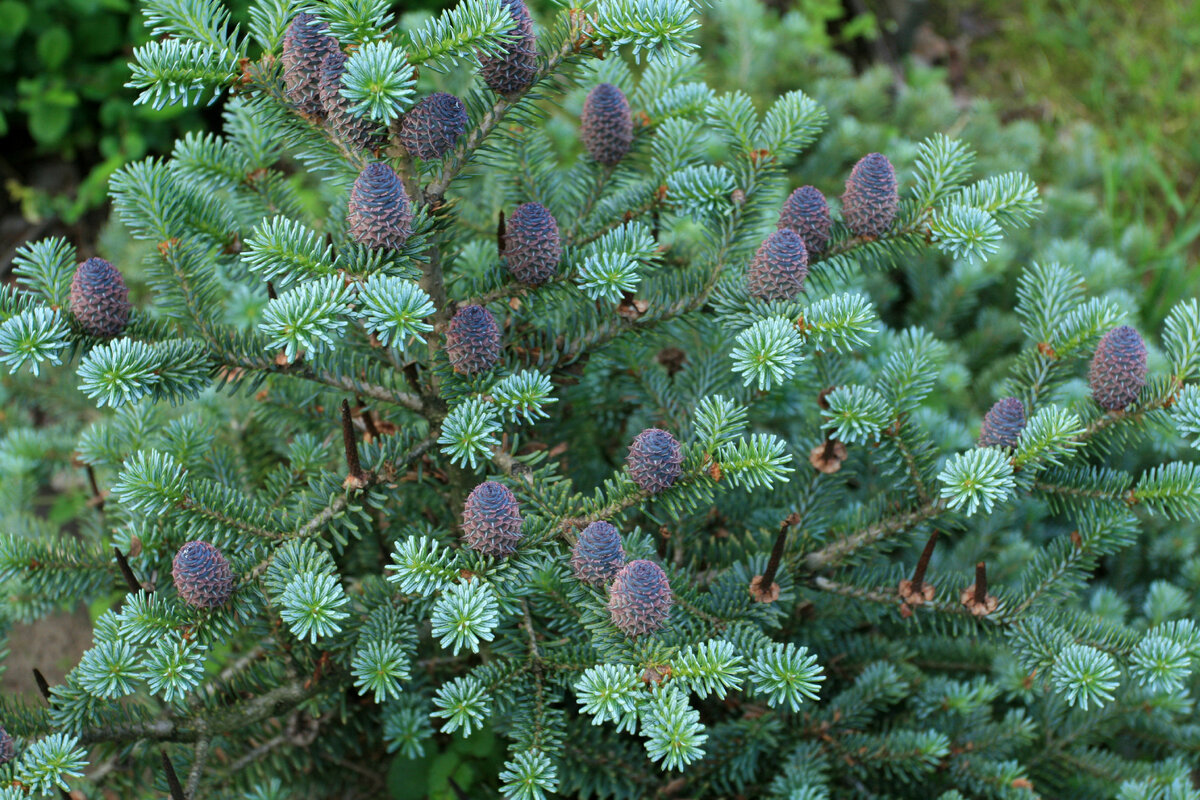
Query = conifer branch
x=836 y=552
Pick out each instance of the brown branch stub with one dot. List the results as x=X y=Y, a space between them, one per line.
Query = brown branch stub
x=976 y=598
x=916 y=591
x=172 y=778
x=763 y=588
x=828 y=456
x=42 y=684
x=357 y=479
x=127 y=572
x=501 y=234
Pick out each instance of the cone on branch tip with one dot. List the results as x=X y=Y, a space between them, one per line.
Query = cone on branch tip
x=472 y=340
x=1003 y=423
x=433 y=126
x=100 y=299
x=513 y=69
x=655 y=460
x=1118 y=369
x=306 y=45
x=492 y=520
x=202 y=574
x=380 y=214
x=640 y=598
x=606 y=124
x=806 y=212
x=871 y=199
x=779 y=267
x=597 y=555
x=532 y=245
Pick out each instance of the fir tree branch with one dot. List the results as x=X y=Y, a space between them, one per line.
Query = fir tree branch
x=835 y=552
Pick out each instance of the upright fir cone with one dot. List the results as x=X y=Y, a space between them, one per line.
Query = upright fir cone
x=380 y=214
x=532 y=246
x=513 y=70
x=492 y=520
x=597 y=555
x=779 y=267
x=1118 y=369
x=306 y=44
x=8 y=747
x=606 y=125
x=99 y=298
x=472 y=340
x=202 y=575
x=357 y=131
x=432 y=126
x=639 y=600
x=871 y=199
x=655 y=460
x=1003 y=423
x=807 y=213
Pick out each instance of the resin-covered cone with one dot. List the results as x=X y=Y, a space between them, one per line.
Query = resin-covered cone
x=513 y=70
x=779 y=267
x=1118 y=370
x=357 y=131
x=532 y=246
x=433 y=126
x=639 y=600
x=472 y=340
x=202 y=575
x=597 y=554
x=655 y=460
x=606 y=125
x=871 y=199
x=807 y=213
x=492 y=520
x=1003 y=423
x=306 y=45
x=99 y=298
x=380 y=214
x=8 y=747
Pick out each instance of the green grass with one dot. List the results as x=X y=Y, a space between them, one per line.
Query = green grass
x=1132 y=69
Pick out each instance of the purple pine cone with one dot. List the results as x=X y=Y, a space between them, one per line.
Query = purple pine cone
x=513 y=70
x=606 y=126
x=1118 y=369
x=597 y=555
x=1003 y=423
x=532 y=247
x=202 y=575
x=8 y=747
x=655 y=460
x=472 y=340
x=492 y=520
x=871 y=199
x=306 y=44
x=432 y=126
x=640 y=598
x=380 y=214
x=779 y=267
x=99 y=298
x=807 y=213
x=357 y=131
